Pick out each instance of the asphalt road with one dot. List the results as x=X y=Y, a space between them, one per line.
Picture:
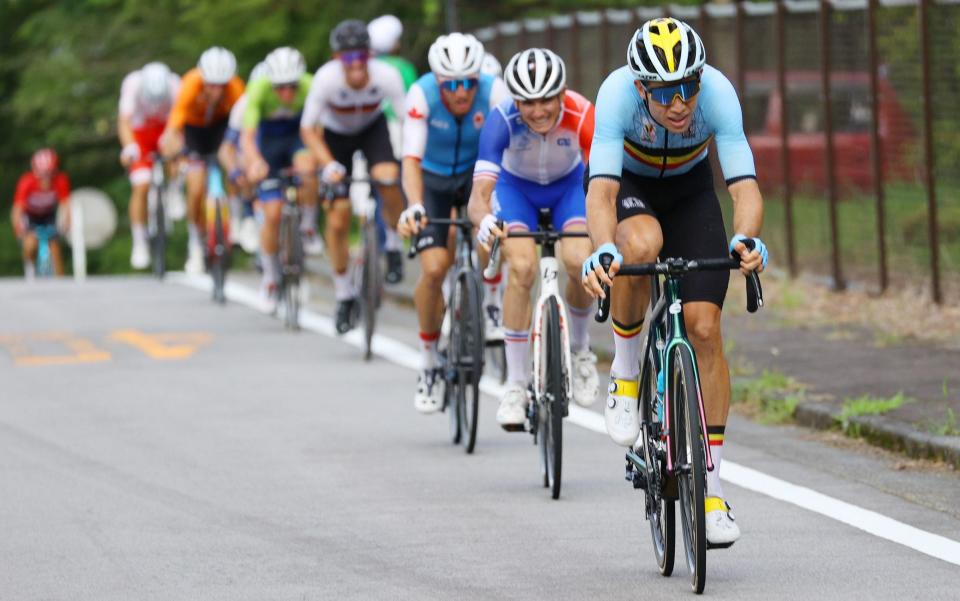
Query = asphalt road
x=155 y=446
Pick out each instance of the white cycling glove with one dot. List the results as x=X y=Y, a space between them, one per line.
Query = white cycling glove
x=485 y=231
x=413 y=212
x=330 y=170
x=130 y=152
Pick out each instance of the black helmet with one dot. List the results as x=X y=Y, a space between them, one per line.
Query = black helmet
x=350 y=35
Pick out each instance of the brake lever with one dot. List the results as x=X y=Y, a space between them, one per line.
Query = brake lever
x=603 y=304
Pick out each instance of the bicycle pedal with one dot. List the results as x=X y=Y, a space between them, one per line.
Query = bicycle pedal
x=514 y=427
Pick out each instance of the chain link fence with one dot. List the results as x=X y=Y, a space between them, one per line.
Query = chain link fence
x=850 y=108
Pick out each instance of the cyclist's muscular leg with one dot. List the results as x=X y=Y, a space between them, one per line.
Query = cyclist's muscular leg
x=393 y=203
x=196 y=190
x=306 y=166
x=29 y=247
x=138 y=204
x=269 y=233
x=56 y=257
x=337 y=234
x=428 y=295
x=573 y=252
x=703 y=328
x=521 y=257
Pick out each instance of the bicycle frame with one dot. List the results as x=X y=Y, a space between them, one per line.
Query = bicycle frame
x=666 y=333
x=44 y=259
x=549 y=287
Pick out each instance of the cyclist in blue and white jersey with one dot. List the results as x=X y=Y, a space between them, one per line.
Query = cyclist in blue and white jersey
x=532 y=152
x=446 y=110
x=651 y=194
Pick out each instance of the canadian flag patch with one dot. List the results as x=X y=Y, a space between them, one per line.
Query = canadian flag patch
x=413 y=114
x=478 y=119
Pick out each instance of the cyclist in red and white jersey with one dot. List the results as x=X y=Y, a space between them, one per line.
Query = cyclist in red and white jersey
x=146 y=97
x=343 y=114
x=41 y=193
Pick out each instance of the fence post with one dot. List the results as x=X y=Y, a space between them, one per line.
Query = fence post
x=785 y=136
x=604 y=30
x=575 y=55
x=825 y=56
x=923 y=9
x=876 y=147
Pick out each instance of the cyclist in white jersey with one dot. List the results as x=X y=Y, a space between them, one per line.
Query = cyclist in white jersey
x=343 y=113
x=146 y=97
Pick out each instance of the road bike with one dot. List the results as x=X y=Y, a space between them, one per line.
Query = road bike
x=671 y=457
x=366 y=268
x=289 y=247
x=462 y=344
x=552 y=372
x=45 y=233
x=157 y=219
x=218 y=230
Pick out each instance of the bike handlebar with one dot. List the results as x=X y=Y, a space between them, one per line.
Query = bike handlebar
x=680 y=266
x=539 y=236
x=463 y=224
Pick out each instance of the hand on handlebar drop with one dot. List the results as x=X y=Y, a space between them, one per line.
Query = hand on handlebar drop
x=488 y=230
x=333 y=173
x=412 y=220
x=750 y=260
x=130 y=154
x=258 y=170
x=595 y=277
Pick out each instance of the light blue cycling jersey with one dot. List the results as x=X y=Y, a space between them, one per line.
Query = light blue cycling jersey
x=445 y=144
x=626 y=137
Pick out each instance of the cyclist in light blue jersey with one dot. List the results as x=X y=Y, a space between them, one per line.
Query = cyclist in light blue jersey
x=651 y=194
x=446 y=110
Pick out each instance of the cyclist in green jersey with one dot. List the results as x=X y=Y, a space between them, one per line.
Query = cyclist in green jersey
x=271 y=142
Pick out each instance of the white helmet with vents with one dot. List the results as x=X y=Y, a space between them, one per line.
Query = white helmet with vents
x=385 y=33
x=285 y=65
x=217 y=65
x=491 y=66
x=155 y=84
x=456 y=56
x=535 y=73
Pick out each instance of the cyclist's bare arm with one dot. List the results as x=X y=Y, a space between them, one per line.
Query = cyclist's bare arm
x=601 y=224
x=124 y=131
x=313 y=139
x=748 y=217
x=479 y=205
x=412 y=180
x=248 y=144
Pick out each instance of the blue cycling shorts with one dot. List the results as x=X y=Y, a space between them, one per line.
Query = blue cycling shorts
x=518 y=201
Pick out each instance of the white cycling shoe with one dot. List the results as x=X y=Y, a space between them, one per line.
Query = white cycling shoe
x=721 y=526
x=512 y=412
x=429 y=395
x=249 y=235
x=269 y=297
x=621 y=412
x=312 y=243
x=140 y=256
x=585 y=378
x=493 y=330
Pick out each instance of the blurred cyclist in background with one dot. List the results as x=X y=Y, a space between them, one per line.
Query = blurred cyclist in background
x=491 y=66
x=40 y=193
x=196 y=126
x=146 y=97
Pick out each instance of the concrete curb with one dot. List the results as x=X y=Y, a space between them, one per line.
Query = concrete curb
x=875 y=429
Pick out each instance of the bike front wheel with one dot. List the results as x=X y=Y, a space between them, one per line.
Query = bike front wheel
x=552 y=399
x=370 y=285
x=468 y=345
x=690 y=464
x=291 y=266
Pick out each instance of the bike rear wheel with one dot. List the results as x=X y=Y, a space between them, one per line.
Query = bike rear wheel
x=219 y=256
x=690 y=464
x=291 y=266
x=371 y=281
x=467 y=338
x=159 y=241
x=660 y=511
x=550 y=405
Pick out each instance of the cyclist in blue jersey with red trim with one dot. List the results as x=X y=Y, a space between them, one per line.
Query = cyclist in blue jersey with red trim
x=532 y=153
x=446 y=109
x=651 y=194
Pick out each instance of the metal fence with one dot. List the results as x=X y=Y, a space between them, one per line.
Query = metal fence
x=850 y=107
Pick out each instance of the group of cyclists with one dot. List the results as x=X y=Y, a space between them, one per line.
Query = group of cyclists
x=631 y=170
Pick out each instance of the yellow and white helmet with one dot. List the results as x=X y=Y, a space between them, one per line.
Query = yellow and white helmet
x=665 y=49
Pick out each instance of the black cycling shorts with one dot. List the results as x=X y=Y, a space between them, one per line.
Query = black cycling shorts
x=440 y=194
x=690 y=218
x=373 y=142
x=202 y=142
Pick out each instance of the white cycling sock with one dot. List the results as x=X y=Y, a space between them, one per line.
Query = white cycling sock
x=579 y=328
x=517 y=349
x=139 y=233
x=428 y=350
x=715 y=434
x=343 y=286
x=193 y=234
x=393 y=241
x=308 y=219
x=269 y=265
x=626 y=350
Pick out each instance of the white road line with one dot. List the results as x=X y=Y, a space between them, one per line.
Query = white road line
x=863 y=519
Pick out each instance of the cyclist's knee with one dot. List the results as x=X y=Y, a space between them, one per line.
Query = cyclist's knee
x=703 y=328
x=387 y=172
x=30 y=246
x=433 y=272
x=522 y=270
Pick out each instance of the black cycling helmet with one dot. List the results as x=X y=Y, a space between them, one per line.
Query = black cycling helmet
x=350 y=35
